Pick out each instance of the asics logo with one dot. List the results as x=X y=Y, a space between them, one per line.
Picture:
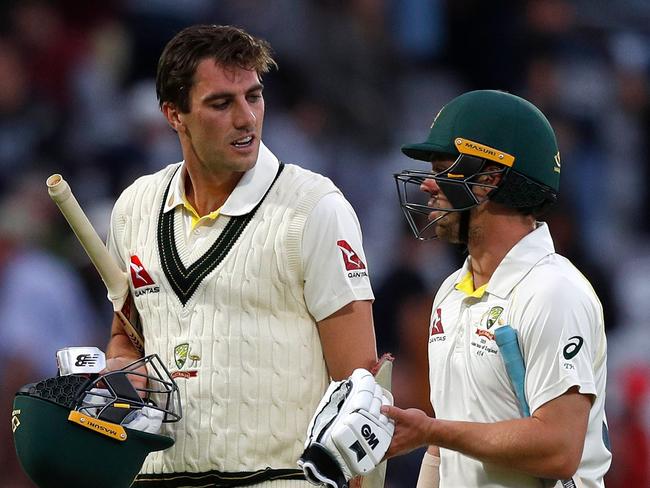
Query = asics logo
x=572 y=348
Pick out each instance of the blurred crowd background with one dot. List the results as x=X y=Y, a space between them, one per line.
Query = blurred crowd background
x=357 y=79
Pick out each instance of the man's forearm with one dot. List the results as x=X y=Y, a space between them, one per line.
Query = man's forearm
x=119 y=345
x=429 y=476
x=522 y=444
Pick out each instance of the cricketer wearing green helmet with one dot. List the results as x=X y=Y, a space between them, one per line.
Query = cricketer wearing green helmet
x=486 y=132
x=517 y=350
x=80 y=430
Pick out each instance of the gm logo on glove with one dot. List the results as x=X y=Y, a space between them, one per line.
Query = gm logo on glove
x=361 y=445
x=348 y=435
x=368 y=435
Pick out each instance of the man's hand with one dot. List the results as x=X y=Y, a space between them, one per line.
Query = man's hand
x=348 y=435
x=411 y=428
x=138 y=378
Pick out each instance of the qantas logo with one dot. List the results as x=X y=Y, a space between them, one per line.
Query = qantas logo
x=436 y=327
x=141 y=279
x=139 y=275
x=352 y=261
x=437 y=330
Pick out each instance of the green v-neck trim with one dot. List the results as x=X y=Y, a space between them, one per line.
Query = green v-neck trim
x=184 y=281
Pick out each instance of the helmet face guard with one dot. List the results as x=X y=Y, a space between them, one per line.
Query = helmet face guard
x=79 y=430
x=115 y=396
x=456 y=183
x=485 y=127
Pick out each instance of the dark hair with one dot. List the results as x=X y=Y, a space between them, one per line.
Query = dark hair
x=227 y=45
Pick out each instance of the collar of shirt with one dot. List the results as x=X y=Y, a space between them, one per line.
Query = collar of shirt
x=514 y=267
x=247 y=194
x=466 y=285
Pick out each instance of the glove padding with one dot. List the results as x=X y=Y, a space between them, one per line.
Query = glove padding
x=348 y=436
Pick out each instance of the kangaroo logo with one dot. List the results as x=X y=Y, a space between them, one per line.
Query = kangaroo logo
x=139 y=275
x=436 y=326
x=351 y=259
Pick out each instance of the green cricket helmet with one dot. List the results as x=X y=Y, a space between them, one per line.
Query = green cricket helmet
x=73 y=430
x=484 y=132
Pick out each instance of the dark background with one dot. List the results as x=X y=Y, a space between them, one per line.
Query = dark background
x=357 y=78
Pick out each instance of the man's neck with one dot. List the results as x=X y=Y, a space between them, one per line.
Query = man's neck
x=208 y=191
x=492 y=239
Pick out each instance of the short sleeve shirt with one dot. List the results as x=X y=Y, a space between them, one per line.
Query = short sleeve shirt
x=559 y=323
x=334 y=262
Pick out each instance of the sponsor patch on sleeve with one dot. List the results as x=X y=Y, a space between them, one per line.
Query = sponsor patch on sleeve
x=355 y=267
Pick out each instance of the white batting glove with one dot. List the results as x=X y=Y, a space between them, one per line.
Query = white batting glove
x=348 y=435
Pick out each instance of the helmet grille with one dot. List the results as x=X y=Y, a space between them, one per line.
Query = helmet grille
x=62 y=390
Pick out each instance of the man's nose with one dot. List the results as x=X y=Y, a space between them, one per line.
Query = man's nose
x=430 y=186
x=244 y=117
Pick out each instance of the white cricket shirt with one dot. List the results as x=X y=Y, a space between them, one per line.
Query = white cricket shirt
x=559 y=322
x=334 y=263
x=232 y=318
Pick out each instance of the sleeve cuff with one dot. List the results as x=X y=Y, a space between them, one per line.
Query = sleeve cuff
x=559 y=389
x=340 y=301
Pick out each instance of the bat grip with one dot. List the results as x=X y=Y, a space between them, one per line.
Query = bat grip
x=114 y=278
x=506 y=338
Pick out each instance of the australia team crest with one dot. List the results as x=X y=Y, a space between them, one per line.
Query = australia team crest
x=185 y=361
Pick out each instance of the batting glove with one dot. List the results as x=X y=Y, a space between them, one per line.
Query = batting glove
x=348 y=436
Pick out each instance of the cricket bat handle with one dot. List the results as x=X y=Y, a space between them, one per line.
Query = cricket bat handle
x=114 y=278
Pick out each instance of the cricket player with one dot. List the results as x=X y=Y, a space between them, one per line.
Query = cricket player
x=248 y=274
x=494 y=168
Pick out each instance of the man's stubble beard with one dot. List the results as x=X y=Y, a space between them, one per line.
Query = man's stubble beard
x=448 y=228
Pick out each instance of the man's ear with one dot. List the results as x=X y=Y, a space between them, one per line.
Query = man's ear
x=174 y=116
x=493 y=178
x=488 y=179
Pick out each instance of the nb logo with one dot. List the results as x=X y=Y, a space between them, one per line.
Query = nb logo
x=86 y=360
x=369 y=436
